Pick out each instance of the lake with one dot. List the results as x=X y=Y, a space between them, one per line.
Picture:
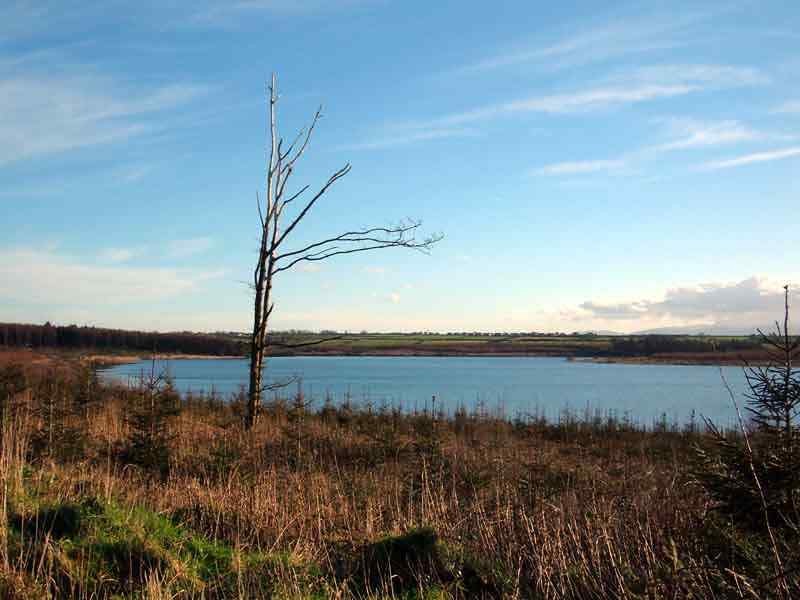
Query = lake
x=537 y=386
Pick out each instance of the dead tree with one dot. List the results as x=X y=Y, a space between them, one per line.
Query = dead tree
x=276 y=230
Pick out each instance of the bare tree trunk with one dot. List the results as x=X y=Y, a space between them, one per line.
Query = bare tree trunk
x=254 y=393
x=263 y=275
x=258 y=347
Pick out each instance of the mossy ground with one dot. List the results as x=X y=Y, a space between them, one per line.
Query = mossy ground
x=94 y=548
x=102 y=549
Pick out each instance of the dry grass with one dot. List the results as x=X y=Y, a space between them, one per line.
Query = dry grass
x=516 y=510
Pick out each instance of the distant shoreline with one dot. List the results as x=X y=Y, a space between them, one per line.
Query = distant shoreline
x=672 y=359
x=110 y=360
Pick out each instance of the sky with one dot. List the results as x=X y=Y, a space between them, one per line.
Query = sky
x=618 y=166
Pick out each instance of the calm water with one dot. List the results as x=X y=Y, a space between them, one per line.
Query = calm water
x=513 y=385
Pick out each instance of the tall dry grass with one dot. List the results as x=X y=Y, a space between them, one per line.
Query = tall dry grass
x=517 y=509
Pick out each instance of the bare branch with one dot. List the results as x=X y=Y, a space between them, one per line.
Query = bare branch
x=273 y=129
x=279 y=385
x=304 y=344
x=333 y=178
x=295 y=196
x=356 y=236
x=423 y=246
x=290 y=149
x=260 y=214
x=302 y=149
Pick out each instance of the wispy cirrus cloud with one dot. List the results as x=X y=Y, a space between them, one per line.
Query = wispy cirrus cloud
x=690 y=133
x=626 y=88
x=210 y=13
x=400 y=136
x=582 y=167
x=42 y=115
x=683 y=134
x=747 y=159
x=132 y=173
x=586 y=100
x=21 y=19
x=703 y=76
x=630 y=36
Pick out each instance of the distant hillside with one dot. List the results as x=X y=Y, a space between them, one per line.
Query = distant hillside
x=709 y=329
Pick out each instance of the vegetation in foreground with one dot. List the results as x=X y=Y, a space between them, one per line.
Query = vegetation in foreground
x=138 y=493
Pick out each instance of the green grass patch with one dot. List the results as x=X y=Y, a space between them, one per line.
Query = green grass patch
x=107 y=550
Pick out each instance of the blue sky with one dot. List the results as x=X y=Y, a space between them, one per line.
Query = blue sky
x=593 y=165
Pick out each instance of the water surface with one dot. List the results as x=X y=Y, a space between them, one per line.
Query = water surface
x=515 y=386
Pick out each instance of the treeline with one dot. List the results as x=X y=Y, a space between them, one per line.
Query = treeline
x=97 y=338
x=656 y=344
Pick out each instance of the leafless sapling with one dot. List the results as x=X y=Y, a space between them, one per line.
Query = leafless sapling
x=274 y=254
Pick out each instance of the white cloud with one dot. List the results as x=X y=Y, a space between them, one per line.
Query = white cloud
x=188 y=247
x=581 y=167
x=622 y=310
x=375 y=270
x=744 y=305
x=747 y=159
x=30 y=276
x=46 y=115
